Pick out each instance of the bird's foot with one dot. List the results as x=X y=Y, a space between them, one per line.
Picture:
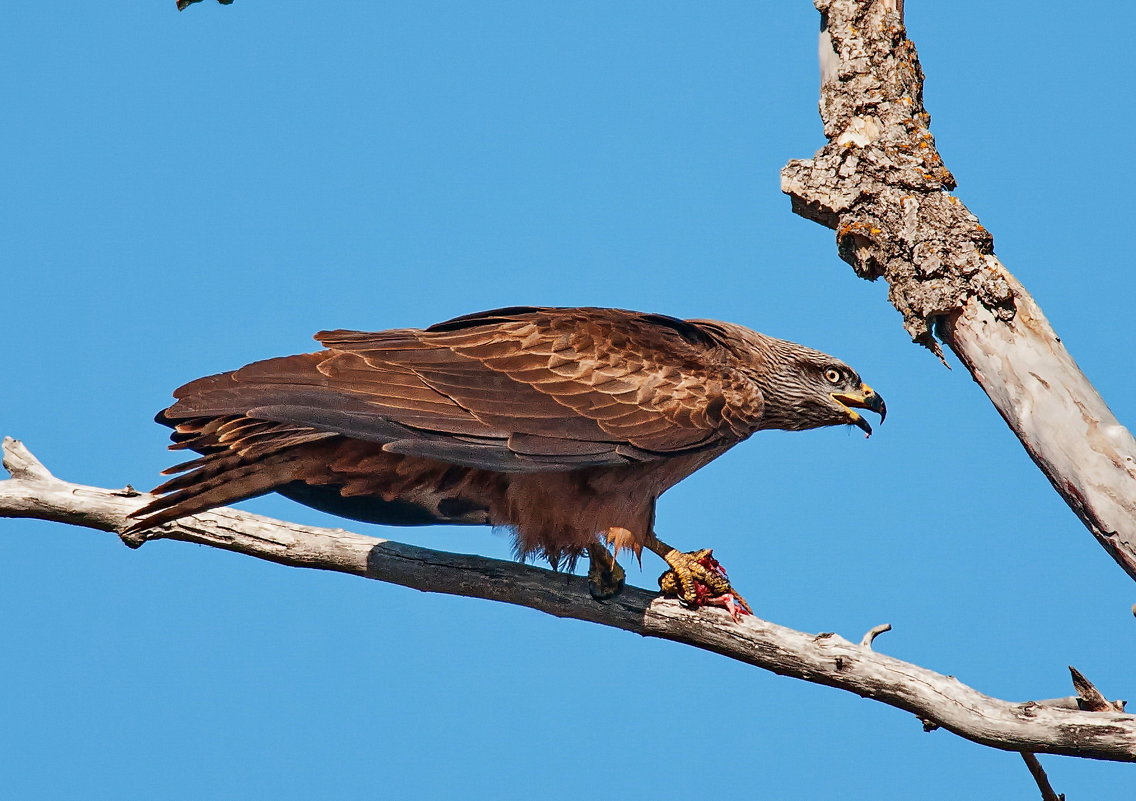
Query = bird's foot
x=605 y=577
x=698 y=579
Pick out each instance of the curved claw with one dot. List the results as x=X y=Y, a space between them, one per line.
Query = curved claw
x=698 y=579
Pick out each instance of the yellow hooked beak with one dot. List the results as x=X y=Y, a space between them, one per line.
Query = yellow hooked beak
x=866 y=398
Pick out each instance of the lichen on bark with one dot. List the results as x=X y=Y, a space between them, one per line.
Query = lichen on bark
x=880 y=182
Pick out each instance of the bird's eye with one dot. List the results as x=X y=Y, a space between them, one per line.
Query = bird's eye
x=833 y=375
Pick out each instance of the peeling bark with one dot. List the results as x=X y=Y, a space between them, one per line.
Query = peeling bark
x=882 y=186
x=1060 y=726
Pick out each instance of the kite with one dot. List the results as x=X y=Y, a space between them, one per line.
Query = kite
x=563 y=425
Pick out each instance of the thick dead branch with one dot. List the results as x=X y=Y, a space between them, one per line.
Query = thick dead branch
x=882 y=186
x=822 y=658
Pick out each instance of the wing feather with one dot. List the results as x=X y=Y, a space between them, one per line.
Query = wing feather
x=520 y=389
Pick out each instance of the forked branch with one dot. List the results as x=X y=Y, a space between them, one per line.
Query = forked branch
x=1055 y=727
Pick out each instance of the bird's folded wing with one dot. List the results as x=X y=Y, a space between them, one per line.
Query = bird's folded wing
x=510 y=390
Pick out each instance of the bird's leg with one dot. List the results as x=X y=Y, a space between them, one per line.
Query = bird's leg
x=697 y=579
x=605 y=576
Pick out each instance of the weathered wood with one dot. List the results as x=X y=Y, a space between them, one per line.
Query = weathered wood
x=1064 y=424
x=1089 y=697
x=1051 y=727
x=880 y=183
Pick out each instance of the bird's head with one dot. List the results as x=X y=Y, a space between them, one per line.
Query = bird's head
x=804 y=388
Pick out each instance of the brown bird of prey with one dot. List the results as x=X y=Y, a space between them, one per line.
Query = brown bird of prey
x=563 y=425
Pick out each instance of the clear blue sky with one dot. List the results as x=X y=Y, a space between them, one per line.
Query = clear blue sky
x=184 y=193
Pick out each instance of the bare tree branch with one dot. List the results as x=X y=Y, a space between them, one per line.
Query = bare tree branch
x=1038 y=773
x=882 y=186
x=1057 y=727
x=1089 y=697
x=871 y=634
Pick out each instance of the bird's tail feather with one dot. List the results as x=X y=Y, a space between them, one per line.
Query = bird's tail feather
x=217 y=480
x=243 y=458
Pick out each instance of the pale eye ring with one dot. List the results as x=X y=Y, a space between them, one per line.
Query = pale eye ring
x=833 y=375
